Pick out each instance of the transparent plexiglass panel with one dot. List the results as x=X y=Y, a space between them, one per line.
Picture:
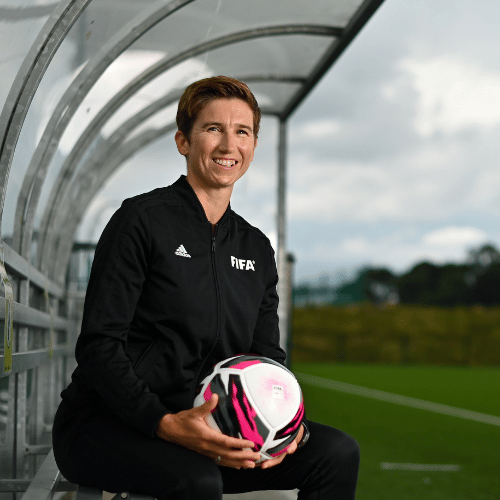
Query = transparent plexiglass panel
x=159 y=120
x=283 y=56
x=58 y=76
x=273 y=96
x=286 y=55
x=20 y=22
x=106 y=24
x=210 y=19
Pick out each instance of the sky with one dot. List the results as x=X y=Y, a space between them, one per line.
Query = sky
x=393 y=158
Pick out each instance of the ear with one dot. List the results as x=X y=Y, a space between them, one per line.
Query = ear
x=182 y=143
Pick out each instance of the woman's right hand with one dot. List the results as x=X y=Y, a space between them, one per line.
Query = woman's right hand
x=189 y=428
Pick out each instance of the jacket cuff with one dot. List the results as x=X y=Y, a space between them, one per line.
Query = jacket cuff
x=148 y=414
x=305 y=436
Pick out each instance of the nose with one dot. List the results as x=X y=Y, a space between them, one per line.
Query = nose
x=228 y=142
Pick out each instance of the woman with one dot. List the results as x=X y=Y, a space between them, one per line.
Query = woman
x=164 y=303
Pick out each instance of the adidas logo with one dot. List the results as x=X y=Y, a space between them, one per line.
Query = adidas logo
x=181 y=252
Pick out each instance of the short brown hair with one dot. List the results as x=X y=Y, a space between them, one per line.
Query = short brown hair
x=199 y=93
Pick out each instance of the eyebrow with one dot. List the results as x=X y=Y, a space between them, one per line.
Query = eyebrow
x=238 y=125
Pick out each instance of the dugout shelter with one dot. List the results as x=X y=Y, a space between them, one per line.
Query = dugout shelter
x=65 y=130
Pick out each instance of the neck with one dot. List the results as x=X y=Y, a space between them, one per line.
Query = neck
x=213 y=201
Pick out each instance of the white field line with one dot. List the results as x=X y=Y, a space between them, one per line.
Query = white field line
x=398 y=399
x=420 y=467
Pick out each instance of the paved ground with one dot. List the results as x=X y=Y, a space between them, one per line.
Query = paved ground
x=264 y=495
x=256 y=495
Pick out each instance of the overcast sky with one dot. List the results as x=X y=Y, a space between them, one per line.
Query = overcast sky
x=393 y=158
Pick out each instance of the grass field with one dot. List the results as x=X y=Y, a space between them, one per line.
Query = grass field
x=394 y=433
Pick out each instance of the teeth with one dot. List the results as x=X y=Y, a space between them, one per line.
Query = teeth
x=225 y=163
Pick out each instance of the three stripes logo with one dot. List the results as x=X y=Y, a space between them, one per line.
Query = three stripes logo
x=181 y=252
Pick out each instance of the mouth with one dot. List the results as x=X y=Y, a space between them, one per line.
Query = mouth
x=225 y=162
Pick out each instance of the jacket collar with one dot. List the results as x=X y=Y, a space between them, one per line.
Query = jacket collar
x=187 y=197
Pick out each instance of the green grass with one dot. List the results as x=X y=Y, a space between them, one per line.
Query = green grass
x=389 y=432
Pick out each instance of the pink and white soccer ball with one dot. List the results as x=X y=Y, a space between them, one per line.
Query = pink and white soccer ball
x=259 y=400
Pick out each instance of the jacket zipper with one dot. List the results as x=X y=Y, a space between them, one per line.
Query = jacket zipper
x=217 y=305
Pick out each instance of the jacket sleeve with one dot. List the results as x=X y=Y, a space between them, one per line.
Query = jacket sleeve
x=118 y=272
x=266 y=339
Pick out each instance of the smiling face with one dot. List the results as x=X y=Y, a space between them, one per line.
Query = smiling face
x=221 y=145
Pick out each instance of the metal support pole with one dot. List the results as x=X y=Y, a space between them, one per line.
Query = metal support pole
x=283 y=283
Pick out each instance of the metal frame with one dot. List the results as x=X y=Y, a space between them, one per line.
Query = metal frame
x=44 y=366
x=283 y=283
x=47 y=480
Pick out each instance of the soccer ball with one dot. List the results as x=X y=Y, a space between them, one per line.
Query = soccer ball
x=259 y=400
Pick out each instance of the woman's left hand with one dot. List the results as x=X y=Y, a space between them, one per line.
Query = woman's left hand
x=290 y=450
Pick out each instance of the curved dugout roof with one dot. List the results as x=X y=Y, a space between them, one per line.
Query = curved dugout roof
x=100 y=79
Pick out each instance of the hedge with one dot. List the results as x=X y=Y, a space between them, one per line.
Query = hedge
x=397 y=334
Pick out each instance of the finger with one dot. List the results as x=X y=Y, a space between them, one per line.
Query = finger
x=234 y=457
x=239 y=444
x=238 y=464
x=292 y=448
x=246 y=454
x=219 y=443
x=266 y=464
x=230 y=442
x=273 y=461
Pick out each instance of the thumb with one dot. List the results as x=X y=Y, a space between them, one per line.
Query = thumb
x=210 y=405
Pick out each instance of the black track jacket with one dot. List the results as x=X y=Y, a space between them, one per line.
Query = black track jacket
x=167 y=300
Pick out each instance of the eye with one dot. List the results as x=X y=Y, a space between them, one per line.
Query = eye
x=213 y=128
x=243 y=131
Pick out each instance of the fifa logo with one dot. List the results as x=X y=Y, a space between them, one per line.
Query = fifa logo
x=243 y=264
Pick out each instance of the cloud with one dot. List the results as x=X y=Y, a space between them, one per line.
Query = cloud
x=426 y=184
x=358 y=245
x=317 y=130
x=400 y=249
x=453 y=94
x=453 y=236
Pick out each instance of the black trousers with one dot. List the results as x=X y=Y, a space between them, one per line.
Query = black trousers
x=98 y=449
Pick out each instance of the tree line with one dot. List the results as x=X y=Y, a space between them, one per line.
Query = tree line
x=473 y=282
